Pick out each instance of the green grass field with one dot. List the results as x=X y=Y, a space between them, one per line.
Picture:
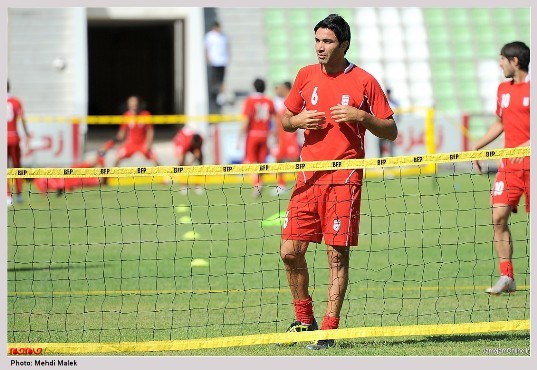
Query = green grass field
x=114 y=265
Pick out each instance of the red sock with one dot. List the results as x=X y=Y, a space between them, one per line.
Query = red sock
x=304 y=310
x=506 y=268
x=330 y=322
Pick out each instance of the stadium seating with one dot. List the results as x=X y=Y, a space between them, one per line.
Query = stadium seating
x=454 y=51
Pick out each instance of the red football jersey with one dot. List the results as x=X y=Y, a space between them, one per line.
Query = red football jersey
x=513 y=106
x=183 y=140
x=313 y=89
x=258 y=108
x=14 y=112
x=136 y=132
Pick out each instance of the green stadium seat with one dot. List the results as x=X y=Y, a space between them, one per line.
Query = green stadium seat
x=434 y=16
x=439 y=51
x=278 y=54
x=506 y=33
x=525 y=33
x=463 y=51
x=279 y=72
x=274 y=18
x=480 y=16
x=503 y=16
x=470 y=105
x=277 y=37
x=447 y=106
x=466 y=70
x=487 y=49
x=444 y=89
x=461 y=34
x=522 y=15
x=318 y=14
x=299 y=18
x=438 y=34
x=484 y=34
x=457 y=16
x=441 y=70
x=468 y=89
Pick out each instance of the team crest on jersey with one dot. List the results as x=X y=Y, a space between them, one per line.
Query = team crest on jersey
x=337 y=225
x=345 y=99
x=526 y=101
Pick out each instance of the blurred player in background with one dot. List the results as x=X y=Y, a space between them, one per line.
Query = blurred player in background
x=513 y=177
x=15 y=114
x=137 y=132
x=62 y=185
x=258 y=112
x=335 y=115
x=287 y=148
x=186 y=141
x=385 y=145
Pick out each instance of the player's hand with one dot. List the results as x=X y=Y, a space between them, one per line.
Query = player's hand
x=310 y=120
x=477 y=166
x=345 y=113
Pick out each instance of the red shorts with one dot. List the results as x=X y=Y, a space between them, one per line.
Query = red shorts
x=331 y=211
x=256 y=150
x=126 y=151
x=512 y=180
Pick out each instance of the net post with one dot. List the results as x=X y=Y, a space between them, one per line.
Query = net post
x=430 y=141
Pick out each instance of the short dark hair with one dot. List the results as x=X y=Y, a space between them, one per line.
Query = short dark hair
x=197 y=141
x=338 y=25
x=287 y=85
x=259 y=85
x=517 y=49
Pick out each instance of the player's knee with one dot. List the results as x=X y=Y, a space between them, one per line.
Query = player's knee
x=292 y=252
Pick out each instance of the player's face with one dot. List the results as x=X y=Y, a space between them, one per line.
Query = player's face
x=328 y=48
x=508 y=67
x=132 y=103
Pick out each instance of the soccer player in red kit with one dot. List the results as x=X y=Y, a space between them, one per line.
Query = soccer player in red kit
x=513 y=177
x=138 y=135
x=334 y=102
x=185 y=141
x=15 y=113
x=258 y=111
x=287 y=142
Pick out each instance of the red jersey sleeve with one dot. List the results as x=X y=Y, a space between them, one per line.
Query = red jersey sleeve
x=294 y=101
x=378 y=102
x=247 y=109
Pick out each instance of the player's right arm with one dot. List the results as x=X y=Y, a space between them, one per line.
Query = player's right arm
x=306 y=119
x=495 y=130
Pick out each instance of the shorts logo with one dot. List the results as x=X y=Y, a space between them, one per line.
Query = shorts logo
x=337 y=225
x=345 y=99
x=498 y=188
x=286 y=220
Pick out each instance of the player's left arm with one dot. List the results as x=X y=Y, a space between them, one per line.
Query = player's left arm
x=382 y=128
